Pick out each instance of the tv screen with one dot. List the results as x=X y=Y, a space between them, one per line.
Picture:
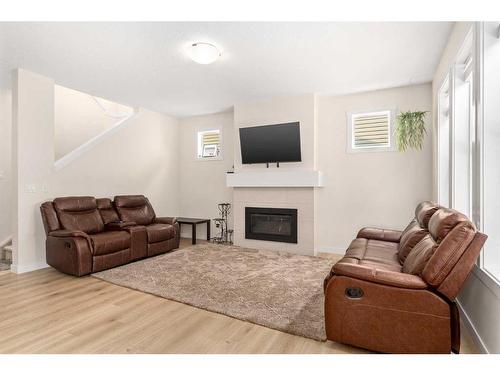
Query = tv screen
x=270 y=143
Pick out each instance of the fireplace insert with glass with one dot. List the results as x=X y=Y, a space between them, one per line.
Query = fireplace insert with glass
x=271 y=224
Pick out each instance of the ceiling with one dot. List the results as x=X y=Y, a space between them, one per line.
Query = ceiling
x=145 y=64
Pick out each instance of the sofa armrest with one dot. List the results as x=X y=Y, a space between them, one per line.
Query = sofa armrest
x=380 y=234
x=117 y=225
x=384 y=277
x=177 y=230
x=69 y=252
x=166 y=220
x=68 y=233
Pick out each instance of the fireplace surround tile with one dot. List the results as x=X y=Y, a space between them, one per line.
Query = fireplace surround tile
x=301 y=199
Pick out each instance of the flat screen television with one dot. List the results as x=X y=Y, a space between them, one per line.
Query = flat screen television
x=270 y=143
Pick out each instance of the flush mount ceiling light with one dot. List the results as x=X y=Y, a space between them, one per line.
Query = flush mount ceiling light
x=203 y=53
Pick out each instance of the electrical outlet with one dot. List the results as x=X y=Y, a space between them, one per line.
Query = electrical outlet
x=30 y=188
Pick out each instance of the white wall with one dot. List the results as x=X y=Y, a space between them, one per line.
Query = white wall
x=139 y=159
x=5 y=164
x=202 y=183
x=361 y=189
x=78 y=118
x=301 y=108
x=33 y=158
x=274 y=111
x=372 y=188
x=480 y=297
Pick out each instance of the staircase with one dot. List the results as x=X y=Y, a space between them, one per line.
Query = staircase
x=5 y=255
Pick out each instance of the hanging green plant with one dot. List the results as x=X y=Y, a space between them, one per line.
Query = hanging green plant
x=410 y=130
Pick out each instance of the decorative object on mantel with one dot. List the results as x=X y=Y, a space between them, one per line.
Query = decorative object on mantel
x=225 y=235
x=410 y=130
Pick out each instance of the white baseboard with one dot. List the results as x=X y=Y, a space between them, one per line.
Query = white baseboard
x=472 y=329
x=332 y=249
x=23 y=268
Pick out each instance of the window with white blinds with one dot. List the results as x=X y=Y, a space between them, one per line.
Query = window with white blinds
x=370 y=130
x=209 y=144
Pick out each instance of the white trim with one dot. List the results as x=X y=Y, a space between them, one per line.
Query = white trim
x=472 y=329
x=488 y=280
x=339 y=250
x=466 y=49
x=28 y=267
x=207 y=130
x=98 y=100
x=455 y=74
x=451 y=119
x=349 y=131
x=272 y=179
x=478 y=197
x=90 y=144
x=443 y=94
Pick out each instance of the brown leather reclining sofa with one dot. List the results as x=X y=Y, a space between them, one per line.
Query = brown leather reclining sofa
x=86 y=235
x=394 y=291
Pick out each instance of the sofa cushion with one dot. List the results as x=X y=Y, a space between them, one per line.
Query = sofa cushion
x=110 y=242
x=373 y=253
x=49 y=217
x=424 y=212
x=371 y=233
x=160 y=232
x=419 y=256
x=449 y=252
x=379 y=276
x=79 y=213
x=107 y=211
x=135 y=208
x=444 y=221
x=412 y=235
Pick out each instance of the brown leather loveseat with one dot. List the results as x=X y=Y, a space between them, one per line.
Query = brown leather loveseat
x=86 y=235
x=394 y=291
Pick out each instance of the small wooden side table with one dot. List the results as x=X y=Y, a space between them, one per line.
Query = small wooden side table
x=193 y=222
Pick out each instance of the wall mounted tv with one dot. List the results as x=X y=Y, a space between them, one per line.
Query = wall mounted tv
x=270 y=143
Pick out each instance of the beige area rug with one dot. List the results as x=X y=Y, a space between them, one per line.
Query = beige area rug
x=277 y=290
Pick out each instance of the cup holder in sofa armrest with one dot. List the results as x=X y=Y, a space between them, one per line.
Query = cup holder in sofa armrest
x=354 y=293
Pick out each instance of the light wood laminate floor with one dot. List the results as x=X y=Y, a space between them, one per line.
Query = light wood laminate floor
x=46 y=311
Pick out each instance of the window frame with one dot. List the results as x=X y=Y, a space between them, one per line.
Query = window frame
x=491 y=280
x=350 y=148
x=473 y=42
x=444 y=120
x=463 y=114
x=198 y=139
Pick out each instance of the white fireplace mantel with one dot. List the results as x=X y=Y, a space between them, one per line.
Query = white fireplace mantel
x=291 y=178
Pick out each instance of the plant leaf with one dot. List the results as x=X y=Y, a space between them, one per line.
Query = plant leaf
x=410 y=130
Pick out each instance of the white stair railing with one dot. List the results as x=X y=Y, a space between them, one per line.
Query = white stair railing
x=85 y=147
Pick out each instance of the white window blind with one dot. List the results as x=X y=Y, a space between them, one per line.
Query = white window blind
x=211 y=138
x=209 y=144
x=371 y=130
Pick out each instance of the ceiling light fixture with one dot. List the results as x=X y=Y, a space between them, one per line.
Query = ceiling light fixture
x=203 y=53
